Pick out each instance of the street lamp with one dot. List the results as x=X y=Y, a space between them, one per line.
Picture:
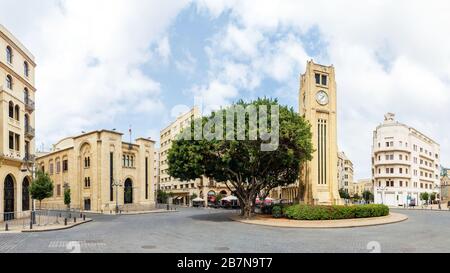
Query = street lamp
x=117 y=184
x=29 y=160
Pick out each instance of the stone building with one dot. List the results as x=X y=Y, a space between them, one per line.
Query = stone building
x=17 y=92
x=183 y=191
x=345 y=172
x=405 y=163
x=100 y=169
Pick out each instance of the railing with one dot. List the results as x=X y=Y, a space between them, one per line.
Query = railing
x=29 y=131
x=13 y=221
x=29 y=104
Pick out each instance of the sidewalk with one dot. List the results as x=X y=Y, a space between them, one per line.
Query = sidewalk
x=433 y=207
x=59 y=225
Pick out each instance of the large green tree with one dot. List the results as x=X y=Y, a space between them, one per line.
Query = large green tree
x=246 y=168
x=42 y=187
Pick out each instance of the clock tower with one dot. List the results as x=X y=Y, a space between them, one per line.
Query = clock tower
x=318 y=106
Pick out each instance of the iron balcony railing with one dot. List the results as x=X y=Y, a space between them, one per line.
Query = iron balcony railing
x=29 y=131
x=29 y=104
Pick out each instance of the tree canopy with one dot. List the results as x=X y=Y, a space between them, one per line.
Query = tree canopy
x=246 y=166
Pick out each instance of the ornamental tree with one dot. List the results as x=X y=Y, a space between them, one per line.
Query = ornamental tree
x=42 y=187
x=248 y=157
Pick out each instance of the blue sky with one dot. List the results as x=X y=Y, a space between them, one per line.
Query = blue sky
x=115 y=63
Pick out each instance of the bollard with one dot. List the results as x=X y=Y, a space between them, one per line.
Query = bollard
x=168 y=208
x=65 y=221
x=84 y=217
x=6 y=226
x=81 y=215
x=70 y=215
x=31 y=224
x=74 y=219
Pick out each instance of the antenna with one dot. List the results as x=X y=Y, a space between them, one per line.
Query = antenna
x=130 y=131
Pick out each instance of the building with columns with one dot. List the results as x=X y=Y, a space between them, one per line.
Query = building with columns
x=17 y=92
x=100 y=169
x=405 y=163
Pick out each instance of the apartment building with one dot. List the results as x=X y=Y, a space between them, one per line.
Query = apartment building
x=101 y=171
x=183 y=191
x=17 y=92
x=405 y=163
x=360 y=186
x=345 y=172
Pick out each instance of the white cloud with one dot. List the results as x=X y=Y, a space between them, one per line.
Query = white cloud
x=388 y=57
x=89 y=56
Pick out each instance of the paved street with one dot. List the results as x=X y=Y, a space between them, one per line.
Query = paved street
x=204 y=230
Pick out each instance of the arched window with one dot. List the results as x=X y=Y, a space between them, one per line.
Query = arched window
x=25 y=95
x=17 y=112
x=9 y=82
x=11 y=109
x=128 y=161
x=132 y=161
x=26 y=69
x=9 y=54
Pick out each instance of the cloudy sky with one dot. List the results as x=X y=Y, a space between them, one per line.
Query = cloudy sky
x=113 y=63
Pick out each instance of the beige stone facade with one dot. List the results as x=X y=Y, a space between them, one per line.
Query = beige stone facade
x=445 y=190
x=345 y=172
x=17 y=92
x=183 y=191
x=361 y=186
x=92 y=164
x=318 y=101
x=405 y=163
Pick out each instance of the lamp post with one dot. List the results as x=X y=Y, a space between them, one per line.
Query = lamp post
x=117 y=184
x=27 y=161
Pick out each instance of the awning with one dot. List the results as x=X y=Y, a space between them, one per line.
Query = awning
x=230 y=198
x=198 y=199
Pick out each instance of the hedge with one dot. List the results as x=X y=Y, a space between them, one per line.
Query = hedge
x=306 y=212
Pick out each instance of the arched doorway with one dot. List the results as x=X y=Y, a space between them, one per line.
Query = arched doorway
x=8 y=198
x=128 y=192
x=224 y=193
x=25 y=194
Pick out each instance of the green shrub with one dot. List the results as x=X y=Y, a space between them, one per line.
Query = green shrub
x=277 y=211
x=306 y=212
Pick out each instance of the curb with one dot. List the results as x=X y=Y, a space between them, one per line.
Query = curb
x=56 y=229
x=142 y=213
x=352 y=224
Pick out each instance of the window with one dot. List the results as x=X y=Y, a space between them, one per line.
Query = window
x=17 y=112
x=317 y=78
x=11 y=140
x=26 y=69
x=9 y=82
x=401 y=183
x=87 y=162
x=392 y=183
x=65 y=165
x=11 y=109
x=400 y=170
x=87 y=182
x=17 y=144
x=324 y=80
x=391 y=157
x=387 y=183
x=400 y=157
x=9 y=54
x=51 y=168
x=58 y=166
x=58 y=190
x=392 y=170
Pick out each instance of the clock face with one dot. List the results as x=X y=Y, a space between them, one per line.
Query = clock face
x=322 y=97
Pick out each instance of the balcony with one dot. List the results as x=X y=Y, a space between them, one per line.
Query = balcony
x=29 y=104
x=29 y=132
